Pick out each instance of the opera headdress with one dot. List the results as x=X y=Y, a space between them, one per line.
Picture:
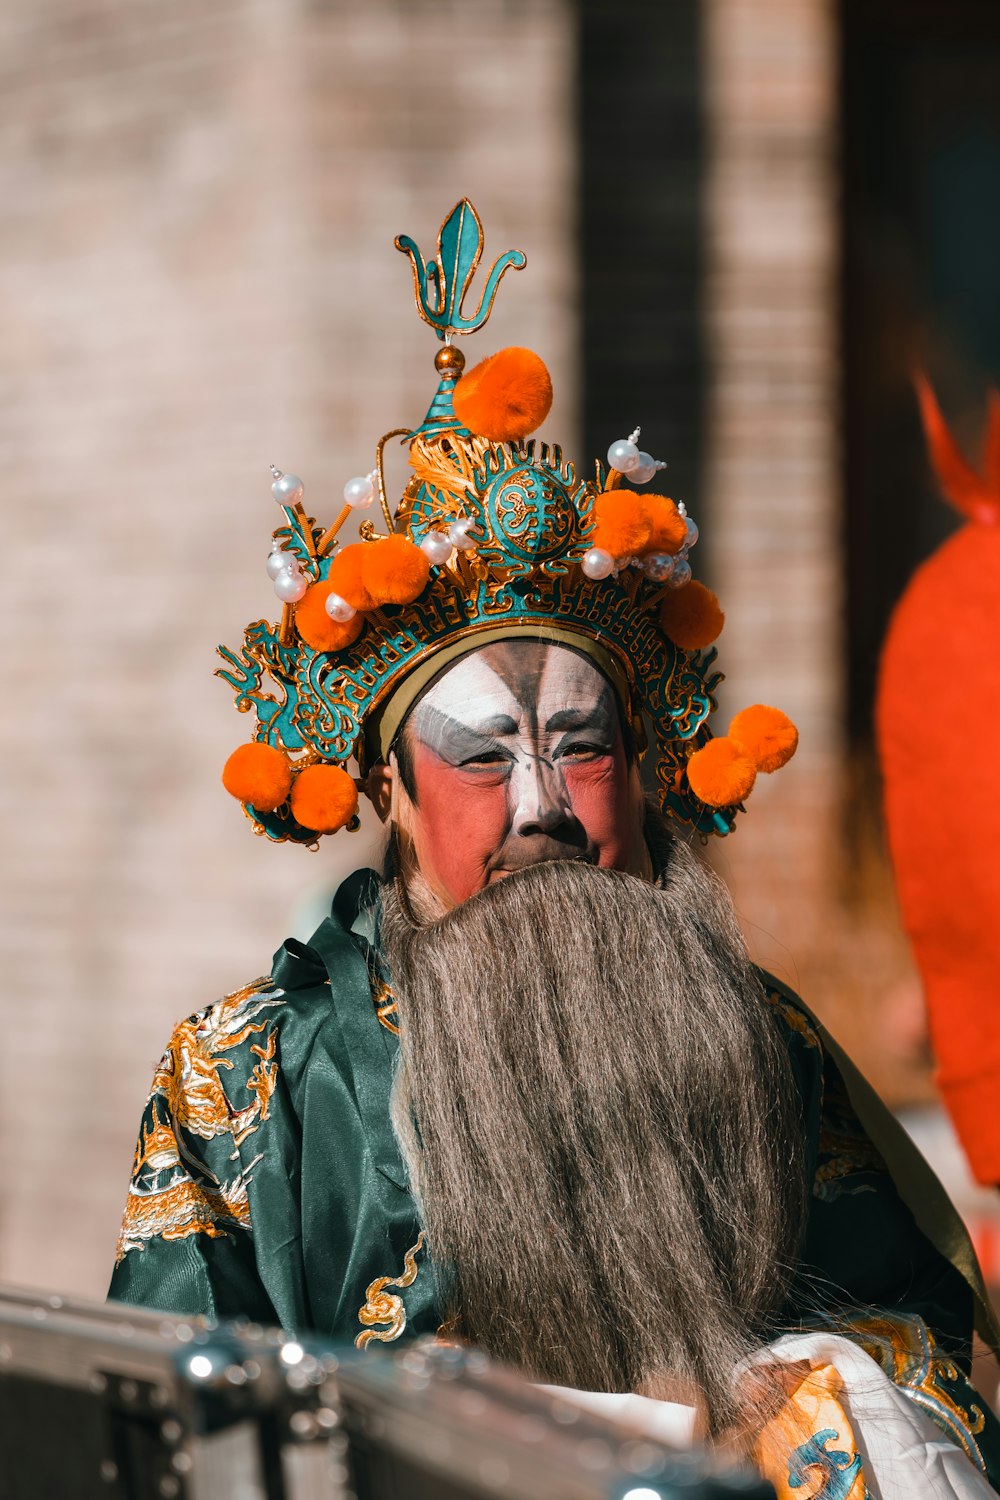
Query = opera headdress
x=494 y=536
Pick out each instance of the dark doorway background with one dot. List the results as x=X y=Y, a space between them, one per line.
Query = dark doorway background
x=920 y=112
x=639 y=100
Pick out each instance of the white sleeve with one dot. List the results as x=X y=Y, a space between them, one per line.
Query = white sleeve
x=905 y=1454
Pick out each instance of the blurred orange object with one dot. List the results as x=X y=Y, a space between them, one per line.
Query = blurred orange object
x=938 y=728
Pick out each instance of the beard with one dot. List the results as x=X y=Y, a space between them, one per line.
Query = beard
x=601 y=1125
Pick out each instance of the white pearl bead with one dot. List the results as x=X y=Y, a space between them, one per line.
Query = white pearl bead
x=359 y=492
x=659 y=566
x=644 y=469
x=692 y=532
x=436 y=547
x=338 y=609
x=278 y=560
x=290 y=585
x=681 y=573
x=459 y=534
x=597 y=563
x=288 y=490
x=623 y=456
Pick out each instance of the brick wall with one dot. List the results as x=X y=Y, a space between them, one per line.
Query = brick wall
x=198 y=279
x=770 y=481
x=807 y=866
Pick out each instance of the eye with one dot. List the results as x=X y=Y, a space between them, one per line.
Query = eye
x=583 y=750
x=487 y=758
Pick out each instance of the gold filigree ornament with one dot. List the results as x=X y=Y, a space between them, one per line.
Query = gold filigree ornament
x=494 y=535
x=385 y=1307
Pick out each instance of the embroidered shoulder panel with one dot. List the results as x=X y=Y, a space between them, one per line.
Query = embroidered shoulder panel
x=904 y=1347
x=174 y=1192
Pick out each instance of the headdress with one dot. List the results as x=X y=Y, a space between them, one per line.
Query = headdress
x=495 y=535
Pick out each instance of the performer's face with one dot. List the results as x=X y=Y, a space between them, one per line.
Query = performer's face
x=516 y=756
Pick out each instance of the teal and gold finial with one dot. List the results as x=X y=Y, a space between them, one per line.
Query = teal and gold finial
x=440 y=285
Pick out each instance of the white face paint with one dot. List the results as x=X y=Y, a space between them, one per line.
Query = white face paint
x=517 y=756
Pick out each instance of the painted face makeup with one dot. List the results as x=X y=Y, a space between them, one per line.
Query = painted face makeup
x=517 y=756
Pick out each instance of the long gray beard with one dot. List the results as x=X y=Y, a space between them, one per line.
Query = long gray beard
x=600 y=1124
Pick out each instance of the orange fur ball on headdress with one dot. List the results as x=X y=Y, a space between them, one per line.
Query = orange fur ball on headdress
x=767 y=735
x=667 y=528
x=316 y=627
x=345 y=576
x=691 y=616
x=721 y=774
x=394 y=571
x=621 y=524
x=258 y=774
x=324 y=798
x=505 y=396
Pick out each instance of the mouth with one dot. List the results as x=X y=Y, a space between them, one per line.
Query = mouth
x=565 y=856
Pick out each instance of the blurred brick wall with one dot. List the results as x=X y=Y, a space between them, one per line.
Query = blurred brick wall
x=197 y=278
x=771 y=480
x=813 y=889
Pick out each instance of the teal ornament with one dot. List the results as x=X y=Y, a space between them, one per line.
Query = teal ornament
x=440 y=285
x=528 y=508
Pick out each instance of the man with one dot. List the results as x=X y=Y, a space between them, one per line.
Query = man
x=527 y=1089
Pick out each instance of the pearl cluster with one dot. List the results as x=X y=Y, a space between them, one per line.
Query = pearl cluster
x=461 y=536
x=284 y=568
x=627 y=458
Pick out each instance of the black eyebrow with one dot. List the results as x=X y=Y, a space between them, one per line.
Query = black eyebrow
x=499 y=724
x=575 y=718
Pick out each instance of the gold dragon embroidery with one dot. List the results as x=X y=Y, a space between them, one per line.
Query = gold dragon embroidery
x=173 y=1194
x=385 y=1307
x=385 y=1006
x=188 y=1077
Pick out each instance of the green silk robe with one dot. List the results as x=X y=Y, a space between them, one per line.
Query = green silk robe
x=268 y=1184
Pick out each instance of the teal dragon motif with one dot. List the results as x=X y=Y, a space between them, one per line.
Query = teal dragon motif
x=840 y=1470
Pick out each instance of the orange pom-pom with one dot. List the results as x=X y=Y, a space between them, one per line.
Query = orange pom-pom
x=691 y=616
x=316 y=627
x=395 y=571
x=258 y=774
x=324 y=798
x=621 y=525
x=505 y=396
x=345 y=576
x=667 y=529
x=767 y=735
x=721 y=774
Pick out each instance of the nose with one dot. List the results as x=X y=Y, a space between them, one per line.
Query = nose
x=541 y=803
